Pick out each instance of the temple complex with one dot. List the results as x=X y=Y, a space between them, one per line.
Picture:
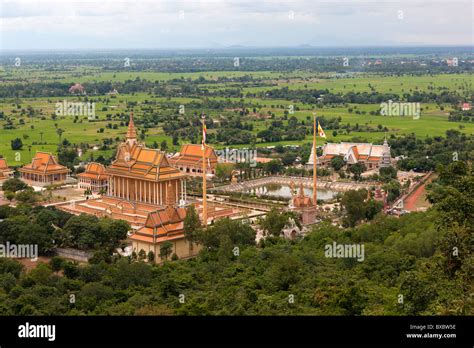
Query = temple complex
x=189 y=160
x=44 y=170
x=145 y=190
x=93 y=178
x=5 y=172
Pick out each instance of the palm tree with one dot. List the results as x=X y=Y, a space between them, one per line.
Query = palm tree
x=60 y=132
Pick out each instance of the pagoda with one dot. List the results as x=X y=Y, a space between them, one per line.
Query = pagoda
x=140 y=174
x=44 y=170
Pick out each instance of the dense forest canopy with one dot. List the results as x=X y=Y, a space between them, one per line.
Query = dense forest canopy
x=418 y=264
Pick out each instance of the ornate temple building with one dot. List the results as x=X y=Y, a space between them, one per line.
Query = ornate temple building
x=93 y=178
x=372 y=156
x=189 y=160
x=5 y=172
x=164 y=225
x=44 y=170
x=140 y=174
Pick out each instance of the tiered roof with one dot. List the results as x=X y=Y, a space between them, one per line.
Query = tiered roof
x=163 y=224
x=4 y=168
x=301 y=200
x=44 y=163
x=94 y=171
x=134 y=160
x=3 y=164
x=192 y=154
x=356 y=151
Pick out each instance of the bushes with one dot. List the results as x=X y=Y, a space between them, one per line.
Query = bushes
x=88 y=232
x=14 y=185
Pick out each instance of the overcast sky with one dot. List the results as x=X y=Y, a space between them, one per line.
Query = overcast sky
x=68 y=24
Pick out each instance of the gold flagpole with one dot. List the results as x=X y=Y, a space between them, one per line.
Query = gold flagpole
x=204 y=188
x=315 y=157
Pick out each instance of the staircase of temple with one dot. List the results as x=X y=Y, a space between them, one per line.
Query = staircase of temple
x=132 y=212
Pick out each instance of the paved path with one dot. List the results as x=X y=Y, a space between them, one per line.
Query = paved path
x=411 y=200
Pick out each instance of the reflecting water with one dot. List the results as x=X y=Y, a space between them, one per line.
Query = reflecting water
x=278 y=190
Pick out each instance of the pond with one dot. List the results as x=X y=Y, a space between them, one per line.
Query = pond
x=278 y=190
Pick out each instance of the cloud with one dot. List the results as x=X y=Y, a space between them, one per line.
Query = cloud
x=204 y=23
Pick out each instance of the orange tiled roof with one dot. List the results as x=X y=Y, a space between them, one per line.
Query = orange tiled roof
x=135 y=160
x=140 y=162
x=373 y=159
x=356 y=152
x=94 y=171
x=44 y=162
x=191 y=154
x=162 y=225
x=301 y=200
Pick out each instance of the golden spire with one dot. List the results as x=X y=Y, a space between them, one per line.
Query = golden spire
x=204 y=188
x=315 y=159
x=301 y=190
x=131 y=132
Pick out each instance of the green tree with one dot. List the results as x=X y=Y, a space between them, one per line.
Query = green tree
x=387 y=173
x=192 y=224
x=9 y=195
x=337 y=163
x=166 y=248
x=353 y=203
x=357 y=169
x=14 y=185
x=16 y=144
x=273 y=167
x=83 y=230
x=56 y=263
x=163 y=145
x=240 y=234
x=275 y=221
x=59 y=132
x=151 y=256
x=27 y=196
x=288 y=158
x=224 y=171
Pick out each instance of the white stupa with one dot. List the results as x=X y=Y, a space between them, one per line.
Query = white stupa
x=310 y=162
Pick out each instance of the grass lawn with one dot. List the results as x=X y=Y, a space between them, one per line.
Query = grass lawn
x=41 y=134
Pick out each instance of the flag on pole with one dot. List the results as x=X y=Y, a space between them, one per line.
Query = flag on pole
x=320 y=130
x=204 y=131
